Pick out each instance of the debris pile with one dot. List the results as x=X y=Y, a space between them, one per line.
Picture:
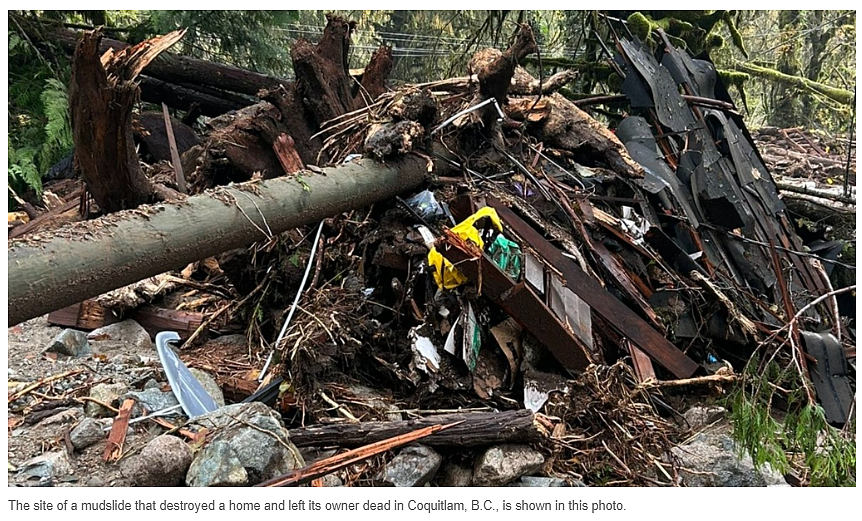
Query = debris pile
x=519 y=289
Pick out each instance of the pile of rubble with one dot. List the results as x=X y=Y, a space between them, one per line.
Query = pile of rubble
x=529 y=316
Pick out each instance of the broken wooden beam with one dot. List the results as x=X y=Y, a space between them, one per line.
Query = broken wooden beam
x=519 y=301
x=619 y=316
x=89 y=315
x=52 y=270
x=474 y=429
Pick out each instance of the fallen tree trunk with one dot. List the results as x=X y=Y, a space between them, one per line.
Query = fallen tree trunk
x=210 y=102
x=53 y=270
x=171 y=68
x=472 y=430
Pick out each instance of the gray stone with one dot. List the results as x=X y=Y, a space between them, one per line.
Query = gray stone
x=502 y=464
x=218 y=467
x=105 y=393
x=712 y=460
x=331 y=480
x=454 y=475
x=126 y=332
x=69 y=342
x=414 y=466
x=250 y=436
x=375 y=401
x=209 y=384
x=699 y=417
x=539 y=482
x=95 y=481
x=151 y=383
x=126 y=359
x=86 y=433
x=152 y=400
x=162 y=463
x=47 y=466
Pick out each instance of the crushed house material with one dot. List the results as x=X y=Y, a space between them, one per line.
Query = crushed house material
x=499 y=268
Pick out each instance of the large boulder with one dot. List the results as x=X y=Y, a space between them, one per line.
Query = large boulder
x=248 y=444
x=713 y=460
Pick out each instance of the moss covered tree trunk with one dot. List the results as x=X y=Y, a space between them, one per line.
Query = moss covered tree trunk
x=786 y=100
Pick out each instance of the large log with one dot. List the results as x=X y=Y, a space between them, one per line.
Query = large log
x=475 y=429
x=171 y=68
x=53 y=270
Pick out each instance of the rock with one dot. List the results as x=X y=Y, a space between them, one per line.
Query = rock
x=126 y=359
x=105 y=393
x=219 y=466
x=69 y=342
x=712 y=460
x=209 y=384
x=502 y=464
x=152 y=400
x=331 y=480
x=539 y=482
x=246 y=438
x=699 y=417
x=414 y=466
x=86 y=433
x=375 y=401
x=162 y=463
x=454 y=475
x=126 y=332
x=47 y=466
x=95 y=481
x=151 y=383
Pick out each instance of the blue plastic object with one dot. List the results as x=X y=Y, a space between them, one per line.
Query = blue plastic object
x=188 y=390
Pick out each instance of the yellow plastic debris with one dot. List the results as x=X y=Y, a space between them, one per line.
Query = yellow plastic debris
x=446 y=275
x=468 y=232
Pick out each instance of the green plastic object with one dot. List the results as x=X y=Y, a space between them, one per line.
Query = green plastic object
x=506 y=255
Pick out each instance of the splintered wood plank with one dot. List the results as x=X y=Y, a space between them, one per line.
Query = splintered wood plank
x=175 y=155
x=285 y=151
x=117 y=436
x=519 y=301
x=625 y=321
x=89 y=315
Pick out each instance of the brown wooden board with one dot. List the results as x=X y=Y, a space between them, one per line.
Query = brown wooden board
x=520 y=302
x=618 y=315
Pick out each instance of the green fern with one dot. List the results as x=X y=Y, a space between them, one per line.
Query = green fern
x=22 y=168
x=58 y=128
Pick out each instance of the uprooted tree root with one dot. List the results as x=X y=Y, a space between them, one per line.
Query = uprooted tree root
x=610 y=433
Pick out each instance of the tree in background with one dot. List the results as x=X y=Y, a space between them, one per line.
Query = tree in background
x=804 y=75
